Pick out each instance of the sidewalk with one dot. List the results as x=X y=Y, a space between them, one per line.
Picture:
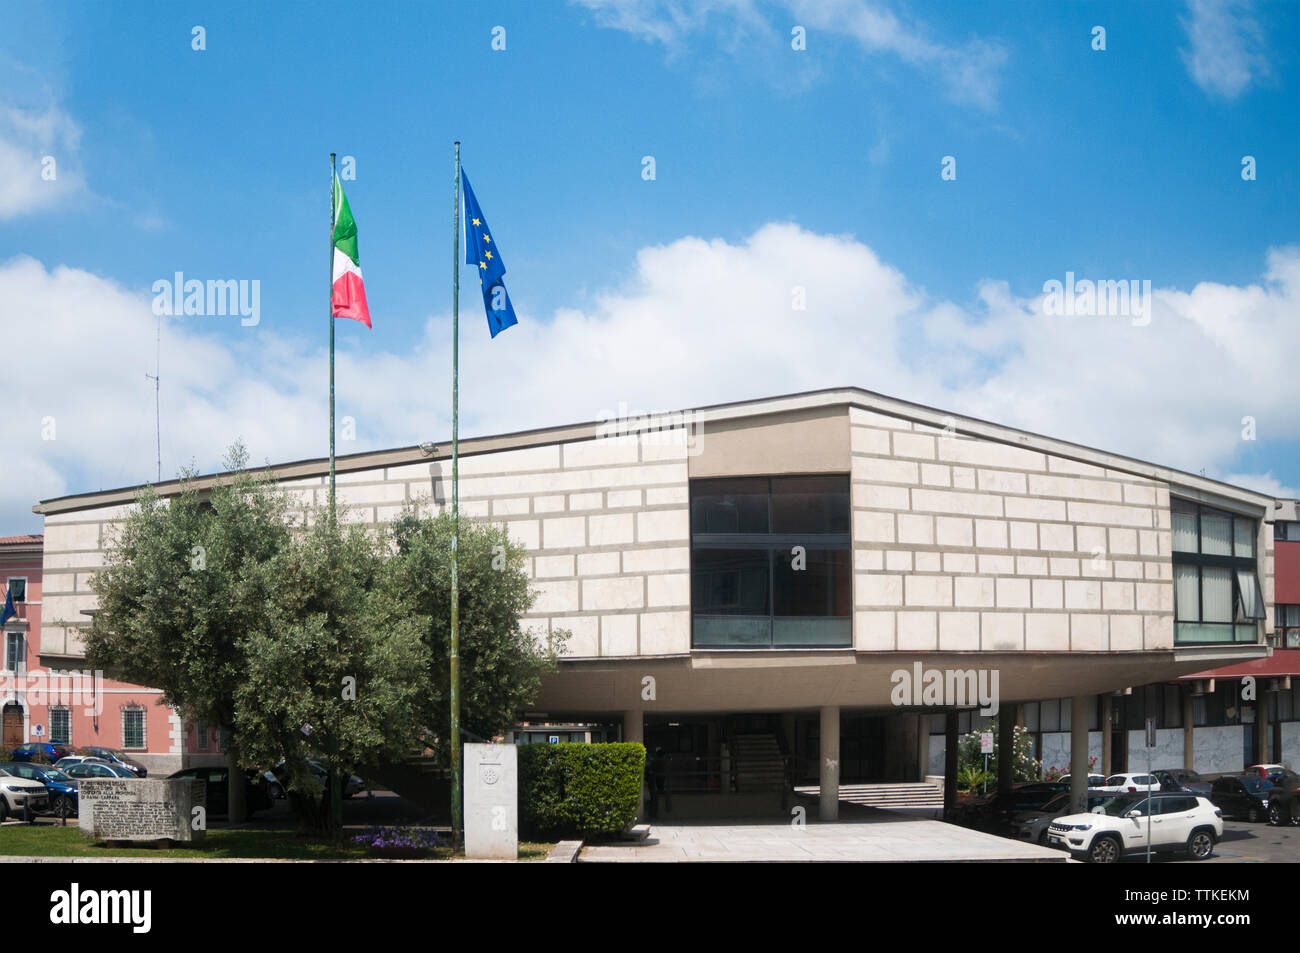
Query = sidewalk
x=882 y=838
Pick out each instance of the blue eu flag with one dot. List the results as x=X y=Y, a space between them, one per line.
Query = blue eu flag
x=481 y=252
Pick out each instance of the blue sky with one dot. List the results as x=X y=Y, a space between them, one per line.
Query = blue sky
x=1115 y=164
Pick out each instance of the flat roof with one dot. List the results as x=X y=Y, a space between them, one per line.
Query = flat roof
x=1212 y=490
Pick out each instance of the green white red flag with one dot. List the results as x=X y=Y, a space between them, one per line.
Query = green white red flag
x=349 y=296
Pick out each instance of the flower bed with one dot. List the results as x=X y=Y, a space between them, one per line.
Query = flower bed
x=399 y=843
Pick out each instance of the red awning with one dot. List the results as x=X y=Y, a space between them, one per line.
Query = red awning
x=1282 y=662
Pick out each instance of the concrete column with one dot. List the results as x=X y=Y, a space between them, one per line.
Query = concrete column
x=922 y=746
x=829 y=807
x=634 y=727
x=949 y=763
x=1107 y=740
x=1006 y=747
x=634 y=730
x=1079 y=754
x=1261 y=722
x=1189 y=729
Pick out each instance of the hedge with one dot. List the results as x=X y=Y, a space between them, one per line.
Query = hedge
x=579 y=790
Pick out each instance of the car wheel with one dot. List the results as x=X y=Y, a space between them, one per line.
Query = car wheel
x=62 y=806
x=1200 y=845
x=4 y=808
x=1277 y=814
x=1042 y=837
x=1293 y=813
x=1104 y=850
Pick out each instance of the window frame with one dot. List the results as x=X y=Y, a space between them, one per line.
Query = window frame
x=9 y=587
x=144 y=728
x=66 y=712
x=11 y=634
x=769 y=543
x=1233 y=564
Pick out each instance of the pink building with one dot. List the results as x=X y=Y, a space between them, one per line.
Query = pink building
x=46 y=696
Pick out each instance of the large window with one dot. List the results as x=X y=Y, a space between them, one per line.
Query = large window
x=1216 y=591
x=1286 y=625
x=17 y=588
x=60 y=726
x=133 y=728
x=771 y=562
x=15 y=651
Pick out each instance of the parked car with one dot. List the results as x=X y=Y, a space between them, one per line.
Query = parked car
x=18 y=796
x=64 y=763
x=1181 y=779
x=1177 y=821
x=115 y=757
x=61 y=788
x=352 y=785
x=1284 y=799
x=81 y=770
x=216 y=780
x=1244 y=795
x=994 y=813
x=1032 y=825
x=1130 y=783
x=41 y=752
x=1267 y=771
x=1094 y=780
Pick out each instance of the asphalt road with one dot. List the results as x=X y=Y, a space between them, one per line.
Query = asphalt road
x=1242 y=843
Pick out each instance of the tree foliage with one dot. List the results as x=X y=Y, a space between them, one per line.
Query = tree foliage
x=309 y=637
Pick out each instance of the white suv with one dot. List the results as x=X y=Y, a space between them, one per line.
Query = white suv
x=1177 y=821
x=20 y=797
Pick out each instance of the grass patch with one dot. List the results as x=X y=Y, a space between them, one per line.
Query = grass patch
x=52 y=840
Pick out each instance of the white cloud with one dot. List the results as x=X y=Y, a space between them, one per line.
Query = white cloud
x=970 y=73
x=1264 y=483
x=1227 y=47
x=698 y=322
x=39 y=151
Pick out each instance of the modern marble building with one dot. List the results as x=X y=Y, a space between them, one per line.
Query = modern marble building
x=754 y=582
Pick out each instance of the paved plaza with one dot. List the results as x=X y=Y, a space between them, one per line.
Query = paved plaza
x=882 y=838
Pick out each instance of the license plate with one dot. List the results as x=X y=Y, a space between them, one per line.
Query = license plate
x=1055 y=841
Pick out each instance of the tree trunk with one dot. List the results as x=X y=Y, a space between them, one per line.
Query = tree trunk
x=238 y=810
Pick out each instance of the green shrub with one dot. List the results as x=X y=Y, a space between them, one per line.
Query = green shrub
x=579 y=790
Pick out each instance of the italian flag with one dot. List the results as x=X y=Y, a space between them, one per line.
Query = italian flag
x=349 y=297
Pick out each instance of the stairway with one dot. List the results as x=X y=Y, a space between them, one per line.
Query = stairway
x=910 y=796
x=758 y=763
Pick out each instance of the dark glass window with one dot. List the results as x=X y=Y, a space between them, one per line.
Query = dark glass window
x=771 y=562
x=1217 y=597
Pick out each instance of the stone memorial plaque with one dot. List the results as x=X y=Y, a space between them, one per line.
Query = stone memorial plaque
x=491 y=802
x=142 y=809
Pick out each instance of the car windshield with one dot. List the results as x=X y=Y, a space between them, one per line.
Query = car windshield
x=1119 y=806
x=118 y=772
x=1255 y=785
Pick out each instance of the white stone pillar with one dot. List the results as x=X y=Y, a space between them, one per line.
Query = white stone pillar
x=829 y=806
x=1079 y=714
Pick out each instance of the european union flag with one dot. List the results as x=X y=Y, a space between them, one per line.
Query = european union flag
x=8 y=612
x=481 y=252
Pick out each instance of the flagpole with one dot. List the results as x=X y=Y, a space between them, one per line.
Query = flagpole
x=335 y=782
x=455 y=508
x=332 y=338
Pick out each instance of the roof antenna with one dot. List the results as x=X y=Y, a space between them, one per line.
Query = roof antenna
x=157 y=416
